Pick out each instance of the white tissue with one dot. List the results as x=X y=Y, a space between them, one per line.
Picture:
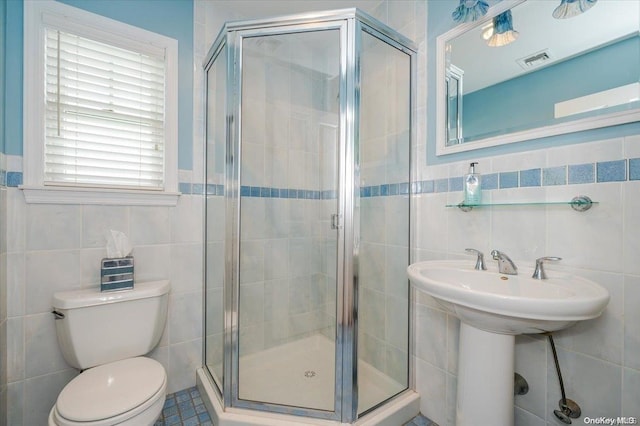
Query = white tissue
x=117 y=244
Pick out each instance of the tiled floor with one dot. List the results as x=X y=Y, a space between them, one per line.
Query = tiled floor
x=185 y=408
x=420 y=420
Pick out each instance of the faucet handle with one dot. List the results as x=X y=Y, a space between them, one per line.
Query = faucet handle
x=539 y=273
x=480 y=266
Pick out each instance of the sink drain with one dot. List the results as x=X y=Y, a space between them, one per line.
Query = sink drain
x=309 y=374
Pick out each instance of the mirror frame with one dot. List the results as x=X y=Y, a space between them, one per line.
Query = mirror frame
x=588 y=123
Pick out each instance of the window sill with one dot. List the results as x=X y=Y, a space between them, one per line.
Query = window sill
x=115 y=197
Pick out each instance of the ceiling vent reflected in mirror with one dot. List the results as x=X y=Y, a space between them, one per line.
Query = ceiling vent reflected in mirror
x=558 y=60
x=534 y=60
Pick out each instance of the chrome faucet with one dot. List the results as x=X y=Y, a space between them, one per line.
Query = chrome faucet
x=539 y=273
x=505 y=264
x=480 y=266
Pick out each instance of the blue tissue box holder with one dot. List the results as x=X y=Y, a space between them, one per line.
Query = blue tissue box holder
x=116 y=274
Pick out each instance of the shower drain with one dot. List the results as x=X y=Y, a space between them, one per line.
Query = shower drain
x=309 y=374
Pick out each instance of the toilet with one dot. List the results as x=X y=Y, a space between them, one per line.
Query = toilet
x=106 y=334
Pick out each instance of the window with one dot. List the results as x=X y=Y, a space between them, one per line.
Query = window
x=100 y=119
x=104 y=121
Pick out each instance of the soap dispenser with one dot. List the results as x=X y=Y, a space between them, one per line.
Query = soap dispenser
x=472 y=186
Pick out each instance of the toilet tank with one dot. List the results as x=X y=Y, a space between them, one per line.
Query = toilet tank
x=95 y=328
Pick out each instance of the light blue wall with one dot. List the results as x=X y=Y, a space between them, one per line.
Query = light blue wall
x=530 y=98
x=13 y=78
x=439 y=21
x=172 y=18
x=3 y=24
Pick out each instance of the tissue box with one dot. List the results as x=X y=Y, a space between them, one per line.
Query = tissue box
x=116 y=274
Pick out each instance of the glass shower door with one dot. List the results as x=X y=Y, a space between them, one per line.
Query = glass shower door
x=383 y=287
x=289 y=122
x=215 y=216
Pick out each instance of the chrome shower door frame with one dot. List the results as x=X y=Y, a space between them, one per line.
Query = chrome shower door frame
x=298 y=24
x=350 y=23
x=217 y=50
x=366 y=24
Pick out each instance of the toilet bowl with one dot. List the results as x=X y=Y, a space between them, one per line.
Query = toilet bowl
x=105 y=334
x=126 y=392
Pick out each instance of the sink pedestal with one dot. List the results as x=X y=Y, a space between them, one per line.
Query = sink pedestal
x=505 y=305
x=485 y=378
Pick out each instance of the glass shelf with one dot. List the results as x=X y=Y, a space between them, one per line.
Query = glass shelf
x=580 y=203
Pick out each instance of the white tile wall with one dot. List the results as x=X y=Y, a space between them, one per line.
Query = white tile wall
x=53 y=248
x=631 y=343
x=3 y=298
x=599 y=358
x=630 y=392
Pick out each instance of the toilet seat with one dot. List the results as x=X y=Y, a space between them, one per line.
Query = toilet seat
x=115 y=393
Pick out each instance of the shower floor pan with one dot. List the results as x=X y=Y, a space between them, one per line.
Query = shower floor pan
x=302 y=374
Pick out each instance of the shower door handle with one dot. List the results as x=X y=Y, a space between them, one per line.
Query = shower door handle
x=336 y=221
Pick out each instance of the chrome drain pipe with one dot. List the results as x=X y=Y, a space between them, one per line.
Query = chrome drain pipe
x=568 y=408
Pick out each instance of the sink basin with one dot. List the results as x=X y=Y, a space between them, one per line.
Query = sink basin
x=492 y=309
x=509 y=304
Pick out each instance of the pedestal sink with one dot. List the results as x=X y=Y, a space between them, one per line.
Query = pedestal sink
x=492 y=309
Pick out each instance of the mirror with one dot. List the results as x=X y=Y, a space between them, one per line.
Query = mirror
x=558 y=76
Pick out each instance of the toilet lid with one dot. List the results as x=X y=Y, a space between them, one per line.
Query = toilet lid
x=110 y=389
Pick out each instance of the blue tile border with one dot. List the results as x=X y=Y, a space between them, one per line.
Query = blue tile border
x=184 y=187
x=428 y=186
x=581 y=173
x=404 y=188
x=455 y=184
x=530 y=177
x=554 y=176
x=14 y=179
x=611 y=171
x=490 y=181
x=607 y=171
x=441 y=185
x=508 y=180
x=573 y=174
x=634 y=169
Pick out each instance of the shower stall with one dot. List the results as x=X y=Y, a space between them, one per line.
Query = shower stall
x=307 y=223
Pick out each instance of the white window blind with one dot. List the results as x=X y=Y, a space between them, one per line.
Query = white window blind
x=105 y=113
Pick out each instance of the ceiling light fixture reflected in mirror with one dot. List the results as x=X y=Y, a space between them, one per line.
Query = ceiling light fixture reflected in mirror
x=571 y=8
x=503 y=32
x=470 y=10
x=487 y=31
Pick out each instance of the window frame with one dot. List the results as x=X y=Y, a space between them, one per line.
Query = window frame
x=39 y=15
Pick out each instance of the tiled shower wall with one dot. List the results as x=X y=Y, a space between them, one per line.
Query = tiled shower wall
x=288 y=113
x=599 y=358
x=384 y=153
x=54 y=248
